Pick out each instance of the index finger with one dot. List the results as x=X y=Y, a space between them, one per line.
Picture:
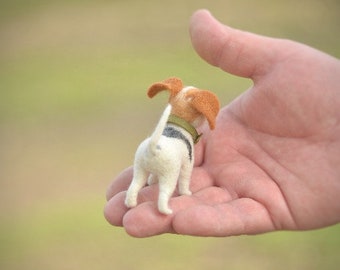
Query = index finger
x=120 y=183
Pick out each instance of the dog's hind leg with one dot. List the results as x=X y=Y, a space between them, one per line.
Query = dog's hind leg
x=140 y=177
x=167 y=187
x=184 y=179
x=152 y=179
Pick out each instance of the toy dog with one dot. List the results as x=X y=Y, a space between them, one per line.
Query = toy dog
x=168 y=155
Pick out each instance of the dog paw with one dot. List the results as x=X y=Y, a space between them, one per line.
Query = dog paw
x=165 y=211
x=185 y=192
x=130 y=203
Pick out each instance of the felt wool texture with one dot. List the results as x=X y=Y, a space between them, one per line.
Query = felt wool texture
x=167 y=156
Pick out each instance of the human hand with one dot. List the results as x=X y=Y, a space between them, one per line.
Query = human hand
x=273 y=161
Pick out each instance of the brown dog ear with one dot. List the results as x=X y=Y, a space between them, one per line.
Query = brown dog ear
x=173 y=84
x=206 y=103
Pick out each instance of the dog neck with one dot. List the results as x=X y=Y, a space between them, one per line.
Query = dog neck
x=175 y=120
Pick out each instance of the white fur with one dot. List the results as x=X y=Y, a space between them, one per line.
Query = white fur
x=164 y=160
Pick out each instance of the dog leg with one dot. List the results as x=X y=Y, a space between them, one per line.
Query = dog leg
x=138 y=182
x=152 y=180
x=184 y=180
x=167 y=187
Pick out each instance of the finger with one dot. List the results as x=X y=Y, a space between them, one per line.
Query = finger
x=237 y=52
x=121 y=183
x=145 y=220
x=115 y=209
x=241 y=216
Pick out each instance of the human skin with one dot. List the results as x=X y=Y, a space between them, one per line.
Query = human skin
x=273 y=161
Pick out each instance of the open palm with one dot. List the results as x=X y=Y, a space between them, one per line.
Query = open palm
x=273 y=161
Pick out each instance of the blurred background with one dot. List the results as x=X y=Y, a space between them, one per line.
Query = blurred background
x=73 y=109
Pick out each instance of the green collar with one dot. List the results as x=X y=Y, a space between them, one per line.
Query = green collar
x=174 y=119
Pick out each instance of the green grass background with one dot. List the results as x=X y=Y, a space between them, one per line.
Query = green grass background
x=73 y=76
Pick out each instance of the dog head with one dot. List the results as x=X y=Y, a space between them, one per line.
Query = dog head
x=189 y=103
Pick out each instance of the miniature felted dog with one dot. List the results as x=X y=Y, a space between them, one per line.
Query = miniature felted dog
x=168 y=155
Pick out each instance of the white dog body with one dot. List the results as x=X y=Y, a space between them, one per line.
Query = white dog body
x=167 y=157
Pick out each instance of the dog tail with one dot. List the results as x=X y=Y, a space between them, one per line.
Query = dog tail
x=156 y=135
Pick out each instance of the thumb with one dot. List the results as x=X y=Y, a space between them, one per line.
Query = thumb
x=237 y=52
